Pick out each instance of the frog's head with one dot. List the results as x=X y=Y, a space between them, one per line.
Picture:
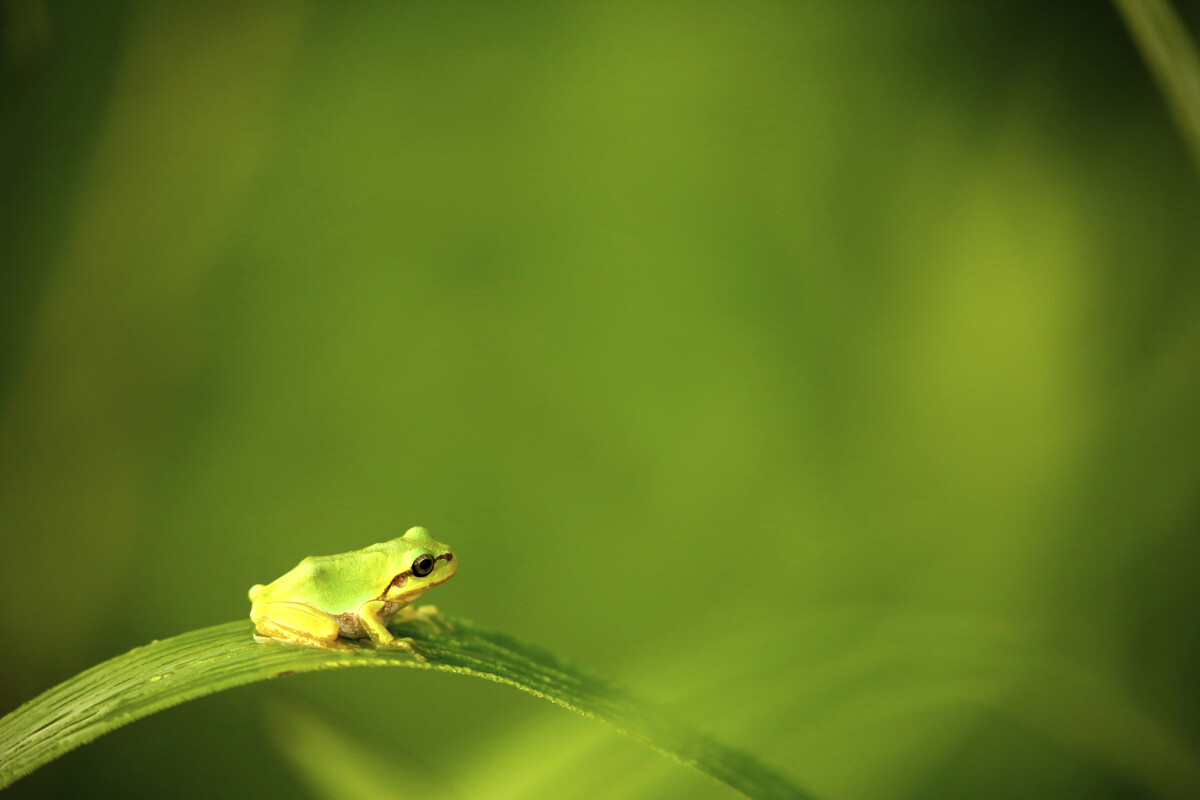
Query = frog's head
x=421 y=562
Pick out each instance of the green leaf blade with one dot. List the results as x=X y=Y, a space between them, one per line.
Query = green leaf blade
x=172 y=671
x=1170 y=54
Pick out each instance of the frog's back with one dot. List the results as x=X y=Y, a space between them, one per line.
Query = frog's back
x=335 y=584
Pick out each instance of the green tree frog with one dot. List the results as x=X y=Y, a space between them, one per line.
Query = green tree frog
x=354 y=594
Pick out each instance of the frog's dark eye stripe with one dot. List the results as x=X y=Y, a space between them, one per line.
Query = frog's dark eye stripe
x=423 y=565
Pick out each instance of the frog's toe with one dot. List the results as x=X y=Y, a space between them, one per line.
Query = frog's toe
x=401 y=643
x=428 y=616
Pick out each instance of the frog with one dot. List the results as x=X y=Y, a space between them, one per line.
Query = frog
x=354 y=595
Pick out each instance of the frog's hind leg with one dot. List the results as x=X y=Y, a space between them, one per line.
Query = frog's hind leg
x=295 y=622
x=426 y=615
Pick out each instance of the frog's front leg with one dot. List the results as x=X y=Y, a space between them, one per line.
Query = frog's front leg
x=371 y=621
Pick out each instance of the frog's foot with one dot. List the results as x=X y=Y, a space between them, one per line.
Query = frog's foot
x=428 y=616
x=373 y=624
x=402 y=643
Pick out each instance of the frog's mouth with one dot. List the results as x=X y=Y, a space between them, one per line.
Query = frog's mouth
x=450 y=569
x=453 y=568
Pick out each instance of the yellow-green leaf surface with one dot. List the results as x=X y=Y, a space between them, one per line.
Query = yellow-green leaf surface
x=172 y=671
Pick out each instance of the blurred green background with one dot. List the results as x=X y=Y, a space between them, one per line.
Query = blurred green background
x=827 y=371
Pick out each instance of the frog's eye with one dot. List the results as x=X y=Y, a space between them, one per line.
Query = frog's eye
x=423 y=565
